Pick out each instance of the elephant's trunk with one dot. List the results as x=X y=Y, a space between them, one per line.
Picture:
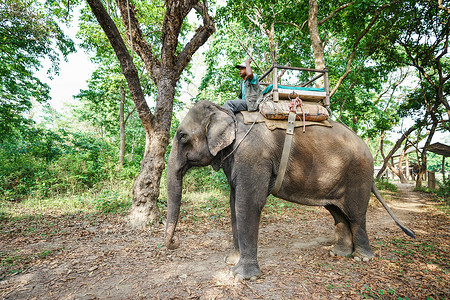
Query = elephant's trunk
x=175 y=174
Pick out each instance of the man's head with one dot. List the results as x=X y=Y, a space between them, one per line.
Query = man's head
x=242 y=70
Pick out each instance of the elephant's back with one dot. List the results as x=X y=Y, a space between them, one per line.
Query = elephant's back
x=333 y=149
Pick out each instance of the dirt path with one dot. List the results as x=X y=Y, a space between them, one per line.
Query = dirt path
x=98 y=257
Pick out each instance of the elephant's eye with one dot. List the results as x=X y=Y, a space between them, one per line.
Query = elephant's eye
x=182 y=137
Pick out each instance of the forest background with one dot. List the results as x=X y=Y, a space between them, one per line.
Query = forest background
x=388 y=64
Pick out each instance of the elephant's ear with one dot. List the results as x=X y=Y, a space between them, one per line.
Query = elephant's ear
x=221 y=130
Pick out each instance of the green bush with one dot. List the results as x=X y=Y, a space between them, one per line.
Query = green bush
x=383 y=184
x=41 y=163
x=444 y=191
x=205 y=178
x=109 y=202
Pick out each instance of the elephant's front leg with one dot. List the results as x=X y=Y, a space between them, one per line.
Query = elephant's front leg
x=249 y=203
x=234 y=256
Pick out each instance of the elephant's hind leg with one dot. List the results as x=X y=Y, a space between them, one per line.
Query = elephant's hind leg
x=356 y=209
x=344 y=239
x=362 y=251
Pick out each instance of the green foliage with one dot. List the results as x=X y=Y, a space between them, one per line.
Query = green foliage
x=204 y=179
x=28 y=33
x=383 y=184
x=42 y=163
x=110 y=202
x=434 y=162
x=442 y=192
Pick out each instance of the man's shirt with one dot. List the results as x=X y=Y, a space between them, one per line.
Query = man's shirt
x=253 y=81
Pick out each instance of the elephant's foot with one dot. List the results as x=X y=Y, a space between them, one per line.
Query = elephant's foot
x=246 y=271
x=363 y=254
x=341 y=250
x=233 y=257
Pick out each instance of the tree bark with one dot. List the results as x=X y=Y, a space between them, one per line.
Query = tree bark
x=146 y=187
x=389 y=165
x=423 y=156
x=316 y=42
x=122 y=127
x=400 y=166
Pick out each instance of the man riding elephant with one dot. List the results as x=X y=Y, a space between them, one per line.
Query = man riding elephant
x=250 y=91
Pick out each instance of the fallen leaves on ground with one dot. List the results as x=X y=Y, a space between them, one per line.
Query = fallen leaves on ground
x=88 y=256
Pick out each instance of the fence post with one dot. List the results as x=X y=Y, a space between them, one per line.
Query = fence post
x=432 y=180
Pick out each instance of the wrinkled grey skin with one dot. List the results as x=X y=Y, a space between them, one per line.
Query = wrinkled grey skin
x=330 y=167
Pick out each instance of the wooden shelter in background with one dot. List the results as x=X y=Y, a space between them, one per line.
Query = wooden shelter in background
x=440 y=149
x=408 y=162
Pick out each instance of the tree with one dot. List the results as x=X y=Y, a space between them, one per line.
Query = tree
x=28 y=33
x=416 y=36
x=340 y=35
x=164 y=66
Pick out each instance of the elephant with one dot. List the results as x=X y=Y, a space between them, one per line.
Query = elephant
x=330 y=167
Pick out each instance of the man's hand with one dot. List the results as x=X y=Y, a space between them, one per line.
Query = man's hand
x=248 y=68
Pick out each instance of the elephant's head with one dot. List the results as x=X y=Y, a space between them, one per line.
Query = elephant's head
x=206 y=130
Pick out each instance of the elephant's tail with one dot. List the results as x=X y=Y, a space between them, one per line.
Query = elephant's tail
x=404 y=228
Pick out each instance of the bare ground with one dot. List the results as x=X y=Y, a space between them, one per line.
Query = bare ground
x=98 y=257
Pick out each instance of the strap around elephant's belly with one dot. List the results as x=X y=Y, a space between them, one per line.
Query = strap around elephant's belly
x=286 y=152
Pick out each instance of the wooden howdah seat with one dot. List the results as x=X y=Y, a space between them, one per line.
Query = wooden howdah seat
x=276 y=91
x=305 y=93
x=281 y=102
x=308 y=103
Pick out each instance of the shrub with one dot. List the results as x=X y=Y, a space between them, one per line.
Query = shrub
x=444 y=191
x=201 y=179
x=109 y=202
x=41 y=163
x=383 y=184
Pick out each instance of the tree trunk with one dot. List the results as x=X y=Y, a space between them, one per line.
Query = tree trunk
x=316 y=42
x=396 y=147
x=146 y=187
x=122 y=127
x=423 y=156
x=400 y=166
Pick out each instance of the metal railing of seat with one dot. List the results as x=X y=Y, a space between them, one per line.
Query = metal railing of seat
x=322 y=73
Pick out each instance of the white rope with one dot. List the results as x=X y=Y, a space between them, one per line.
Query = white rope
x=235 y=148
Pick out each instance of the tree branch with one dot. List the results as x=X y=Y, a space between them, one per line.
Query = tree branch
x=143 y=49
x=292 y=24
x=202 y=34
x=126 y=62
x=393 y=150
x=176 y=11
x=335 y=12
x=356 y=43
x=443 y=7
x=129 y=114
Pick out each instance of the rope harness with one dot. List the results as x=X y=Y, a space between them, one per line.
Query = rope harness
x=293 y=108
